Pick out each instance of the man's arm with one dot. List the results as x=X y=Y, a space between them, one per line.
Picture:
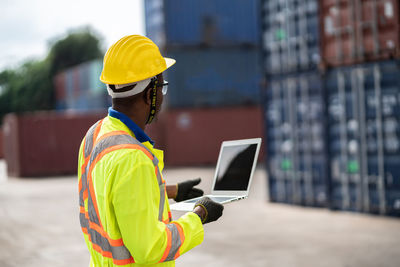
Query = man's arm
x=136 y=208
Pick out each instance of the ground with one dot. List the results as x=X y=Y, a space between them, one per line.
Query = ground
x=40 y=227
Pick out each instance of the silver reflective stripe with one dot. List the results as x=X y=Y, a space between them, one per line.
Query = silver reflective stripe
x=89 y=139
x=162 y=201
x=175 y=241
x=120 y=140
x=84 y=188
x=118 y=252
x=82 y=219
x=87 y=150
x=92 y=211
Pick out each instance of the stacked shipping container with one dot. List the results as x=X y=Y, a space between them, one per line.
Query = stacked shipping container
x=215 y=84
x=79 y=88
x=293 y=103
x=356 y=31
x=359 y=95
x=364 y=137
x=216 y=44
x=363 y=103
x=296 y=154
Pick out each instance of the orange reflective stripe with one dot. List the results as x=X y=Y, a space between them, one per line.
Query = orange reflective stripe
x=168 y=248
x=169 y=215
x=102 y=242
x=82 y=209
x=96 y=133
x=99 y=228
x=113 y=242
x=99 y=157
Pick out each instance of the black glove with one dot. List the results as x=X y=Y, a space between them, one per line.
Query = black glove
x=186 y=190
x=212 y=209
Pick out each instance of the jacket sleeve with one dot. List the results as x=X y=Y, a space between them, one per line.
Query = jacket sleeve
x=135 y=198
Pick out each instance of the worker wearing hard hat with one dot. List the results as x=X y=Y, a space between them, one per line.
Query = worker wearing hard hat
x=124 y=211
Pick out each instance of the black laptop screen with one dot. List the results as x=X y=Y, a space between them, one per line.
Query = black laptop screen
x=234 y=168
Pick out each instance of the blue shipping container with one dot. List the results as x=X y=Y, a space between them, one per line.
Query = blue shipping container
x=84 y=91
x=364 y=137
x=295 y=140
x=214 y=77
x=290 y=36
x=154 y=20
x=203 y=22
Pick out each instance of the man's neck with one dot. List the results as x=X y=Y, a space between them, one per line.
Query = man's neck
x=136 y=117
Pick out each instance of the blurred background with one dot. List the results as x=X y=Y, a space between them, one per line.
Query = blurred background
x=317 y=80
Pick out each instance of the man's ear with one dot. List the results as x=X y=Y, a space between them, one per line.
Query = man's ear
x=147 y=96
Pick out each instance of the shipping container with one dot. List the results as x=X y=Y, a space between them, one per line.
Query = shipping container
x=359 y=31
x=203 y=22
x=155 y=21
x=79 y=88
x=214 y=77
x=44 y=143
x=47 y=143
x=194 y=136
x=1 y=143
x=290 y=36
x=364 y=137
x=295 y=139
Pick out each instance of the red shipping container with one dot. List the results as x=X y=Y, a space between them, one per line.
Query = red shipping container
x=59 y=83
x=358 y=31
x=194 y=136
x=1 y=143
x=47 y=143
x=44 y=143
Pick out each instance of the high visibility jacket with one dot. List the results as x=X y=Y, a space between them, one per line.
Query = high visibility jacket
x=124 y=209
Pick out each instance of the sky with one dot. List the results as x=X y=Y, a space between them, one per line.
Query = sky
x=27 y=26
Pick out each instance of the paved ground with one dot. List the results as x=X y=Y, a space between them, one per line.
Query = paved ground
x=39 y=227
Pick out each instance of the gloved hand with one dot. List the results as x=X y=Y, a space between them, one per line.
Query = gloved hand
x=186 y=190
x=213 y=210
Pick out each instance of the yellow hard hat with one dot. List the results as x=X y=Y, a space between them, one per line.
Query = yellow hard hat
x=133 y=58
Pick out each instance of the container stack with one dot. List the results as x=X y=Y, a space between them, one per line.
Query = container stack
x=216 y=45
x=214 y=88
x=79 y=88
x=332 y=103
x=360 y=52
x=293 y=102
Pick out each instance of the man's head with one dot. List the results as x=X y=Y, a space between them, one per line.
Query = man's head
x=132 y=71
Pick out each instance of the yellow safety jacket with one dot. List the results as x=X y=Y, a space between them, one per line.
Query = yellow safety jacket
x=124 y=209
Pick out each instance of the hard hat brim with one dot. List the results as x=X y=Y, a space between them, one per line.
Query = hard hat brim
x=169 y=61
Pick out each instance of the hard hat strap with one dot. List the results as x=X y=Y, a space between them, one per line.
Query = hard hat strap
x=153 y=99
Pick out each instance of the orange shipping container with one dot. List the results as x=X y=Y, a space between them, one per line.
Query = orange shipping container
x=358 y=31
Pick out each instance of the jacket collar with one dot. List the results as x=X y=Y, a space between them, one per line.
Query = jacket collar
x=140 y=135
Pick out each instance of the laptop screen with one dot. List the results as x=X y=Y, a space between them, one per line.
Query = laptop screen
x=235 y=167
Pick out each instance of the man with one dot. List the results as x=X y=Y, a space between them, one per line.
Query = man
x=124 y=213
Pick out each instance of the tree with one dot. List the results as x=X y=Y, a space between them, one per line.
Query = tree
x=79 y=46
x=30 y=87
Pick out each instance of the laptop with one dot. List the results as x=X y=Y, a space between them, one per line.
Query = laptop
x=236 y=164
